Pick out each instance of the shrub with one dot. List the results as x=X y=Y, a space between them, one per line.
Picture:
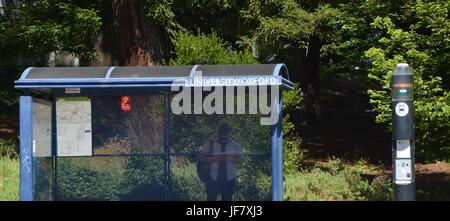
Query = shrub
x=253 y=179
x=88 y=178
x=292 y=155
x=292 y=102
x=338 y=182
x=185 y=182
x=9 y=149
x=292 y=152
x=82 y=182
x=143 y=179
x=206 y=49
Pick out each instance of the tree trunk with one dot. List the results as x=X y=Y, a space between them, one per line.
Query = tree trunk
x=136 y=47
x=137 y=44
x=306 y=73
x=103 y=52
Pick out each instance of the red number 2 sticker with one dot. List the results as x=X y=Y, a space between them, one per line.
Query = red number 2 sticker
x=125 y=103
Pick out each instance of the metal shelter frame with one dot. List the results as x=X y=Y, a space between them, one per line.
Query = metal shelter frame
x=82 y=81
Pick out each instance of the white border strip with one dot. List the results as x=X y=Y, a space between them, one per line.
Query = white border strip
x=192 y=73
x=108 y=73
x=25 y=73
x=404 y=182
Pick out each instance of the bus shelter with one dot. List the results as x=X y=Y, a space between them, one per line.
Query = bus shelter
x=139 y=133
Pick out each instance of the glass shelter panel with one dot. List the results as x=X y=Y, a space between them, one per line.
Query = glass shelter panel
x=110 y=178
x=252 y=180
x=239 y=159
x=137 y=147
x=139 y=130
x=43 y=176
x=126 y=160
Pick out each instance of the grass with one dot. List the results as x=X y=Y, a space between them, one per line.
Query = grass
x=9 y=170
x=9 y=179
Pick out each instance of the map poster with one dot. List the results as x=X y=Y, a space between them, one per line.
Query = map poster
x=74 y=128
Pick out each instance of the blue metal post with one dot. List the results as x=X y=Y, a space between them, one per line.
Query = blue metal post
x=280 y=149
x=26 y=145
x=277 y=155
x=273 y=161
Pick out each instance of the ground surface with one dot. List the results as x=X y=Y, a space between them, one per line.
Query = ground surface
x=9 y=125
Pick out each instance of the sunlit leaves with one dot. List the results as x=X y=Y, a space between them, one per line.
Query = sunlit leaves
x=423 y=44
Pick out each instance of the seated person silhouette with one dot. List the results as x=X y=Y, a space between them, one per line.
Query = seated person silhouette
x=223 y=154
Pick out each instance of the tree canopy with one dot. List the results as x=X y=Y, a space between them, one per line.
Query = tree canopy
x=314 y=38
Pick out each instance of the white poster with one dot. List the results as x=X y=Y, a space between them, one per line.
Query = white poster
x=74 y=129
x=42 y=124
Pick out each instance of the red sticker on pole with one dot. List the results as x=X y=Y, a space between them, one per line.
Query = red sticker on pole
x=125 y=103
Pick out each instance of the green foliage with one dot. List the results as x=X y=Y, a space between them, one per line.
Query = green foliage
x=282 y=25
x=338 y=182
x=292 y=102
x=253 y=180
x=424 y=45
x=351 y=36
x=160 y=12
x=9 y=149
x=35 y=29
x=143 y=179
x=220 y=17
x=206 y=49
x=185 y=182
x=293 y=154
x=290 y=22
x=109 y=178
x=8 y=95
x=83 y=182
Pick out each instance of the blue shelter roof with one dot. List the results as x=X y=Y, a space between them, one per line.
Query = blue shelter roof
x=49 y=79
